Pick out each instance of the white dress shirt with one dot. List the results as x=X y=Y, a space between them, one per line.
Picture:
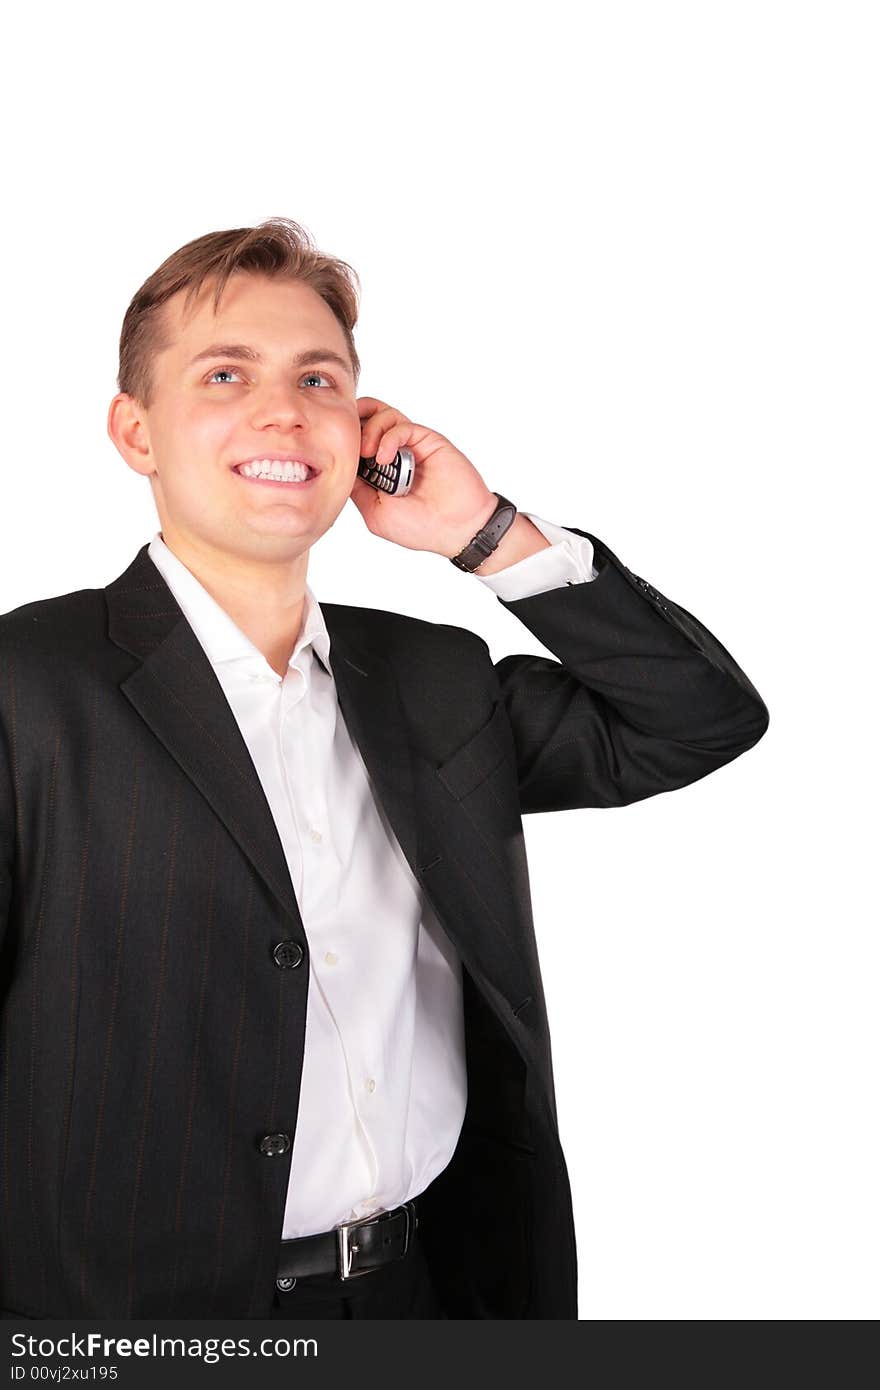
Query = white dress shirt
x=384 y=1084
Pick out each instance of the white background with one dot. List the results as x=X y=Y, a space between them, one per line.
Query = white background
x=625 y=257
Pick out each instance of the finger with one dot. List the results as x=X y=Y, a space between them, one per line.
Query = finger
x=378 y=425
x=368 y=405
x=391 y=440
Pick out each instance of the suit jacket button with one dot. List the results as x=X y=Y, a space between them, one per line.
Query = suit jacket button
x=287 y=954
x=272 y=1144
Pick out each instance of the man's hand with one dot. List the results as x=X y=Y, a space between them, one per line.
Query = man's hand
x=449 y=501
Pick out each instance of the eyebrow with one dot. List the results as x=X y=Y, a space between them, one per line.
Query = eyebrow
x=242 y=353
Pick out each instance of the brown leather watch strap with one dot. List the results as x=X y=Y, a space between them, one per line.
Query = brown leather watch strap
x=487 y=538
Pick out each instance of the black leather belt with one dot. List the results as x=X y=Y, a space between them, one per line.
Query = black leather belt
x=349 y=1250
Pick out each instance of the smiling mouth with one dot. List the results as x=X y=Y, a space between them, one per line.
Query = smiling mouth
x=276 y=474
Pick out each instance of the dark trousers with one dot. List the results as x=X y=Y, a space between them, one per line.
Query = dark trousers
x=401 y=1289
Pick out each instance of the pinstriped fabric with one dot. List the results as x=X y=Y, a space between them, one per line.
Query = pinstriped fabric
x=34 y=1177
x=240 y=1023
x=277 y=1073
x=207 y=939
x=460 y=866
x=227 y=757
x=122 y=917
x=148 y=1101
x=73 y=1009
x=8 y=1243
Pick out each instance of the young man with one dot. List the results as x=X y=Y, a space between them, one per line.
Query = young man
x=274 y=1037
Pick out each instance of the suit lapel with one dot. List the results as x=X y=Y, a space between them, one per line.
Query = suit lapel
x=175 y=691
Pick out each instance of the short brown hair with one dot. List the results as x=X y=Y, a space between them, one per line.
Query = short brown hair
x=275 y=247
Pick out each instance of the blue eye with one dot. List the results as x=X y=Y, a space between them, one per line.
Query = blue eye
x=232 y=371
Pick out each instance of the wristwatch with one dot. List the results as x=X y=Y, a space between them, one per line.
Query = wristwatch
x=487 y=538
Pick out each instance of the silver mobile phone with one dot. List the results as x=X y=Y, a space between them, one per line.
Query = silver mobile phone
x=395 y=478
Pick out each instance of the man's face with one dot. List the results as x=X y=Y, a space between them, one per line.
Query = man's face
x=212 y=412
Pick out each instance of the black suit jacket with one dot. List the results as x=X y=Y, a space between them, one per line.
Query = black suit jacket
x=148 y=1041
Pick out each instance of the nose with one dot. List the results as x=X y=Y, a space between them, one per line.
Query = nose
x=282 y=405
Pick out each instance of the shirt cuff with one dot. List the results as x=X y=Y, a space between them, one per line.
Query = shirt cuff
x=567 y=560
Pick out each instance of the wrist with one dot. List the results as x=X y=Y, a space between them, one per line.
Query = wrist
x=521 y=540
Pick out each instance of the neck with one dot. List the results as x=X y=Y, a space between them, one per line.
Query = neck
x=265 y=599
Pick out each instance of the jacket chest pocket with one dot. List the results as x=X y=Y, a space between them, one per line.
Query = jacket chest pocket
x=477 y=759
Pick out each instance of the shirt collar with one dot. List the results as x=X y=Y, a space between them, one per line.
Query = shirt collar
x=221 y=638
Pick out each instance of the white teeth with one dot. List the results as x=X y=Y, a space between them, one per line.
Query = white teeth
x=271 y=468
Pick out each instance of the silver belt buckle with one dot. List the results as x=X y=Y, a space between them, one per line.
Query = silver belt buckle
x=347 y=1249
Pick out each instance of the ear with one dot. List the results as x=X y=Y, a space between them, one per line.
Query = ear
x=127 y=427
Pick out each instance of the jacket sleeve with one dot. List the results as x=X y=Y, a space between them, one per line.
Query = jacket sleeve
x=568 y=559
x=643 y=699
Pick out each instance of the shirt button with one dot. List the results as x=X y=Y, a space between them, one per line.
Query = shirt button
x=316 y=836
x=371 y=1085
x=331 y=957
